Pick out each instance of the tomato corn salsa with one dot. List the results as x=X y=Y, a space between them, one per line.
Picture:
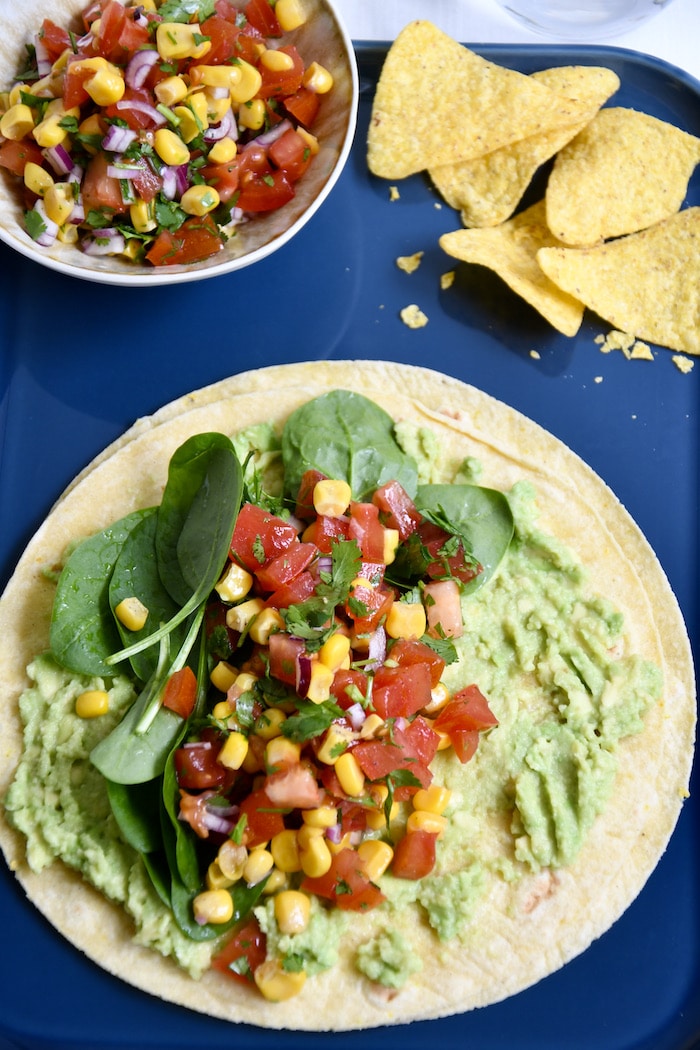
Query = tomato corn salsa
x=156 y=129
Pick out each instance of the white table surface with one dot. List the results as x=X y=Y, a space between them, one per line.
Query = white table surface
x=673 y=34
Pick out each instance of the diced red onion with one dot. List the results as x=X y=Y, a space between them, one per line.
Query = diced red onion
x=124 y=171
x=104 y=242
x=49 y=234
x=139 y=66
x=75 y=174
x=268 y=137
x=59 y=158
x=377 y=648
x=118 y=139
x=43 y=59
x=78 y=214
x=141 y=107
x=303 y=675
x=169 y=187
x=356 y=714
x=225 y=127
x=216 y=823
x=335 y=833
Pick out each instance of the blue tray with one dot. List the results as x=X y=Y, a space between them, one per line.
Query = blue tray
x=79 y=362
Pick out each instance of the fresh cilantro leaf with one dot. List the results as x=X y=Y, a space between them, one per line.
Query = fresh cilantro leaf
x=293 y=962
x=239 y=830
x=34 y=223
x=309 y=619
x=443 y=646
x=169 y=215
x=244 y=709
x=311 y=720
x=399 y=778
x=183 y=10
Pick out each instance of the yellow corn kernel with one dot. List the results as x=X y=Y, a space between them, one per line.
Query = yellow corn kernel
x=371 y=727
x=320 y=682
x=252 y=114
x=406 y=620
x=321 y=817
x=334 y=744
x=14 y=95
x=249 y=84
x=335 y=651
x=422 y=820
x=433 y=799
x=91 y=126
x=67 y=233
x=132 y=613
x=258 y=866
x=331 y=498
x=276 y=61
x=217 y=108
x=234 y=584
x=276 y=881
x=351 y=777
x=269 y=724
x=285 y=851
x=316 y=859
x=439 y=697
x=391 y=545
x=292 y=911
x=170 y=147
x=235 y=748
x=17 y=122
x=214 y=76
x=106 y=87
x=276 y=984
x=37 y=179
x=171 y=90
x=269 y=619
x=290 y=14
x=222 y=710
x=92 y=703
x=281 y=752
x=337 y=847
x=223 y=676
x=193 y=116
x=376 y=856
x=376 y=818
x=48 y=132
x=214 y=906
x=305 y=834
x=241 y=616
x=142 y=214
x=215 y=878
x=245 y=681
x=199 y=200
x=223 y=151
x=317 y=78
x=177 y=40
x=231 y=858
x=310 y=140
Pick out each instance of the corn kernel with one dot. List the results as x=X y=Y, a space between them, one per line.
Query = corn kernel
x=142 y=214
x=178 y=40
x=92 y=703
x=391 y=545
x=171 y=90
x=292 y=911
x=132 y=613
x=371 y=727
x=223 y=151
x=350 y=775
x=285 y=851
x=376 y=856
x=214 y=906
x=215 y=878
x=276 y=881
x=433 y=799
x=252 y=114
x=249 y=84
x=258 y=866
x=17 y=122
x=170 y=147
x=214 y=76
x=316 y=859
x=335 y=743
x=241 y=616
x=67 y=233
x=276 y=61
x=320 y=683
x=337 y=847
x=422 y=820
x=439 y=697
x=276 y=984
x=233 y=753
x=317 y=78
x=406 y=620
x=192 y=117
x=14 y=95
x=223 y=676
x=269 y=619
x=305 y=834
x=235 y=583
x=217 y=108
x=269 y=724
x=48 y=132
x=310 y=140
x=331 y=498
x=37 y=179
x=106 y=87
x=221 y=711
x=290 y=14
x=245 y=681
x=335 y=651
x=321 y=817
x=231 y=859
x=280 y=752
x=91 y=126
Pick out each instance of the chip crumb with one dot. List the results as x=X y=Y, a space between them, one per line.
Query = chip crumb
x=597 y=379
x=394 y=194
x=683 y=364
x=438 y=206
x=409 y=263
x=633 y=349
x=535 y=355
x=447 y=280
x=413 y=317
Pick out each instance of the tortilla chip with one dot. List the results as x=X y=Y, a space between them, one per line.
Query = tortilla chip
x=646 y=284
x=437 y=102
x=511 y=251
x=488 y=190
x=624 y=172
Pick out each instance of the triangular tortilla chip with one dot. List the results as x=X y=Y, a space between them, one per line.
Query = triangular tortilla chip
x=437 y=102
x=646 y=284
x=488 y=190
x=510 y=250
x=624 y=172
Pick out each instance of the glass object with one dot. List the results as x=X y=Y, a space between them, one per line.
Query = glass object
x=591 y=20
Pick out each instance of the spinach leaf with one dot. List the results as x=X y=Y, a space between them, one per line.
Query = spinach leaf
x=180 y=847
x=244 y=899
x=136 y=809
x=481 y=517
x=347 y=437
x=83 y=633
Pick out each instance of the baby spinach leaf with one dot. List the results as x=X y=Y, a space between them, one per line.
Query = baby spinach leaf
x=83 y=632
x=136 y=809
x=347 y=437
x=181 y=849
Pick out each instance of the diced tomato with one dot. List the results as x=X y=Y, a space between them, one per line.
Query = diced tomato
x=119 y=35
x=292 y=593
x=74 y=93
x=100 y=191
x=197 y=239
x=280 y=83
x=294 y=787
x=304 y=507
x=263 y=818
x=291 y=153
x=401 y=691
x=146 y=183
x=266 y=191
x=15 y=155
x=380 y=758
x=223 y=177
x=466 y=716
x=261 y=15
x=303 y=106
x=243 y=953
x=181 y=692
x=443 y=608
x=347 y=682
x=227 y=39
x=444 y=561
x=325 y=531
x=414 y=855
x=54 y=39
x=397 y=509
x=407 y=651
x=346 y=883
x=286 y=566
x=367 y=606
x=259 y=536
x=284 y=654
x=418 y=739
x=136 y=117
x=197 y=768
x=367 y=530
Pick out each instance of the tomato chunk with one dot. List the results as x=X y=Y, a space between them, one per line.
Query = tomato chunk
x=346 y=883
x=414 y=855
x=243 y=953
x=197 y=768
x=466 y=716
x=259 y=536
x=397 y=509
x=408 y=651
x=263 y=818
x=286 y=566
x=401 y=691
x=181 y=692
x=197 y=239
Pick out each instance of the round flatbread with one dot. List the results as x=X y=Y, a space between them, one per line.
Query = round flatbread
x=532 y=925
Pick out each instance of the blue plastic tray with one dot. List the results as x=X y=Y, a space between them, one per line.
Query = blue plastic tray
x=79 y=362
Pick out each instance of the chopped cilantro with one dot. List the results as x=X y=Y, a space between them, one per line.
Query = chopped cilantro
x=310 y=720
x=183 y=10
x=34 y=223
